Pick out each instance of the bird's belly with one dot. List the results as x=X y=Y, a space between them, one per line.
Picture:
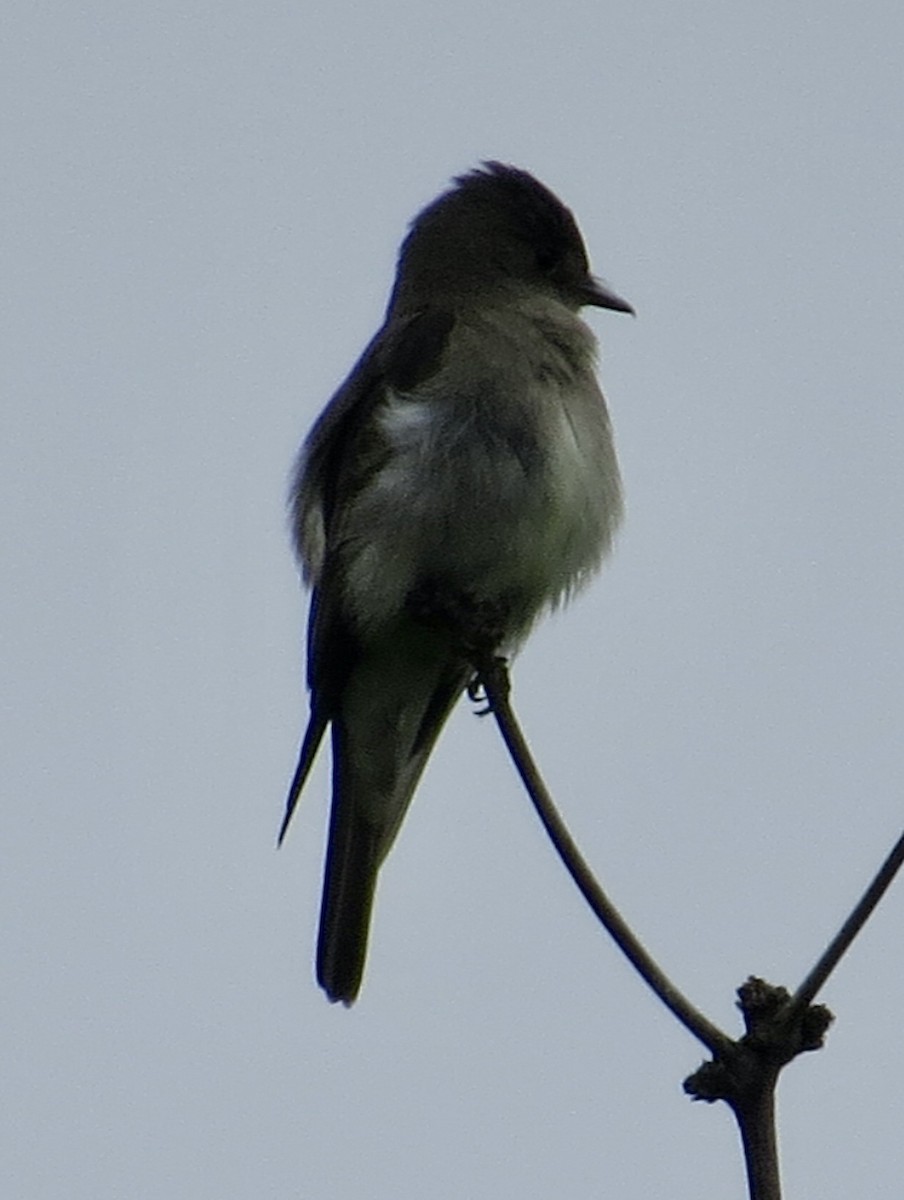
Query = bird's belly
x=520 y=520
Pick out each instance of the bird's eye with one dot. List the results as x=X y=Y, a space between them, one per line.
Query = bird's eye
x=547 y=261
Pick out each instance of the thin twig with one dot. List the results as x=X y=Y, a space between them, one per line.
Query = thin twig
x=849 y=930
x=494 y=679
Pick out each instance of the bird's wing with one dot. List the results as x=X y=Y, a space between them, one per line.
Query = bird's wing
x=344 y=448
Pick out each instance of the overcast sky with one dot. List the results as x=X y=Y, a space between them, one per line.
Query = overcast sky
x=201 y=207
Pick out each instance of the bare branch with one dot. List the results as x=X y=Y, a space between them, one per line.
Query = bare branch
x=744 y=1073
x=494 y=679
x=756 y=1124
x=849 y=930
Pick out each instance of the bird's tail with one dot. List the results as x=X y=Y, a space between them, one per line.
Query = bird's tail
x=374 y=778
x=350 y=878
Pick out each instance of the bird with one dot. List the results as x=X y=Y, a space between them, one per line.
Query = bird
x=460 y=482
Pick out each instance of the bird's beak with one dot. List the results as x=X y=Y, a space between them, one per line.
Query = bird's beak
x=600 y=296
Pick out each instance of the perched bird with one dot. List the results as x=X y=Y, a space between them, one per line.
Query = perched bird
x=462 y=480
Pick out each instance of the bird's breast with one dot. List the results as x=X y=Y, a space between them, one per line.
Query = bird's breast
x=498 y=479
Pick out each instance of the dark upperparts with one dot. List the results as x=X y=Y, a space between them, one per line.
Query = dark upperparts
x=496 y=229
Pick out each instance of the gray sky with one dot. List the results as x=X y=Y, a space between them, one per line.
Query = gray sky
x=201 y=209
